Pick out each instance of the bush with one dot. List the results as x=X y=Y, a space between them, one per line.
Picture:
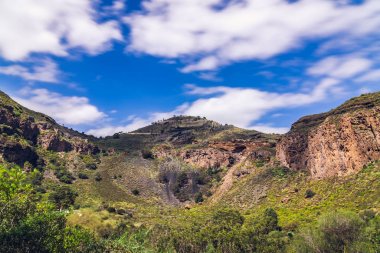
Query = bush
x=121 y=211
x=91 y=166
x=64 y=176
x=147 y=154
x=198 y=198
x=336 y=232
x=79 y=240
x=37 y=177
x=63 y=197
x=82 y=175
x=135 y=192
x=309 y=194
x=98 y=177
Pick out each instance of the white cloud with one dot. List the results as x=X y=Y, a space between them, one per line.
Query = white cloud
x=372 y=76
x=44 y=71
x=270 y=129
x=133 y=124
x=210 y=76
x=243 y=30
x=118 y=5
x=241 y=107
x=340 y=67
x=52 y=26
x=208 y=63
x=70 y=110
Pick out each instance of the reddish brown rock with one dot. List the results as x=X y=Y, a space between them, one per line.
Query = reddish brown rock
x=219 y=153
x=337 y=143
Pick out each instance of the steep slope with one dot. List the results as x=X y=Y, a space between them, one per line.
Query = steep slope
x=196 y=141
x=25 y=135
x=336 y=143
x=192 y=155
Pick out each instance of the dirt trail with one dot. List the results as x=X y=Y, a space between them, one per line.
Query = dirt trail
x=228 y=182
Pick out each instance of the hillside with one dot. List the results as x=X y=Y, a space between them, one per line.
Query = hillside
x=188 y=184
x=336 y=143
x=179 y=131
x=34 y=140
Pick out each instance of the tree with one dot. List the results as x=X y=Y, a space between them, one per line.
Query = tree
x=24 y=226
x=12 y=181
x=63 y=197
x=336 y=232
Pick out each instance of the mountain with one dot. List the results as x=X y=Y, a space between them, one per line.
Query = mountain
x=195 y=150
x=185 y=183
x=337 y=143
x=34 y=140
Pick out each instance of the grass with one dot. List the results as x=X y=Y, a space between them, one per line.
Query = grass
x=285 y=192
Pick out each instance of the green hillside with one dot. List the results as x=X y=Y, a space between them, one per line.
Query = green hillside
x=123 y=197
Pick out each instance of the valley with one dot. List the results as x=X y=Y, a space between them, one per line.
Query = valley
x=188 y=184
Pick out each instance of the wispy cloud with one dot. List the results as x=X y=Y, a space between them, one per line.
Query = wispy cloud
x=371 y=76
x=244 y=30
x=43 y=71
x=340 y=67
x=241 y=107
x=71 y=110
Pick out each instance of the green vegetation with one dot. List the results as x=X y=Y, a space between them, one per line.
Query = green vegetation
x=30 y=224
x=134 y=201
x=340 y=231
x=36 y=222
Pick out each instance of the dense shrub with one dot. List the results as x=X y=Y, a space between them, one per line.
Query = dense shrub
x=198 y=198
x=98 y=177
x=63 y=197
x=64 y=176
x=339 y=232
x=147 y=154
x=79 y=240
x=135 y=192
x=30 y=225
x=91 y=166
x=225 y=230
x=82 y=175
x=309 y=194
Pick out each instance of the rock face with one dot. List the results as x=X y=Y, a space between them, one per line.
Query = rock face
x=16 y=153
x=336 y=143
x=219 y=153
x=22 y=130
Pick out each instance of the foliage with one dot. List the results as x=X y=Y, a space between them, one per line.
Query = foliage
x=62 y=197
x=64 y=176
x=82 y=175
x=339 y=231
x=79 y=240
x=309 y=194
x=147 y=154
x=198 y=198
x=98 y=177
x=12 y=182
x=135 y=192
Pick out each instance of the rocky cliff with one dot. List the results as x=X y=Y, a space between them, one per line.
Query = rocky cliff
x=23 y=132
x=216 y=154
x=336 y=143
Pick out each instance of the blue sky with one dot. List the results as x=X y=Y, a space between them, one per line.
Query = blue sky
x=108 y=66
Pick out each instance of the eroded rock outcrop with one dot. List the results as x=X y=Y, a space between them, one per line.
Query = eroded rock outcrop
x=23 y=130
x=219 y=153
x=336 y=143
